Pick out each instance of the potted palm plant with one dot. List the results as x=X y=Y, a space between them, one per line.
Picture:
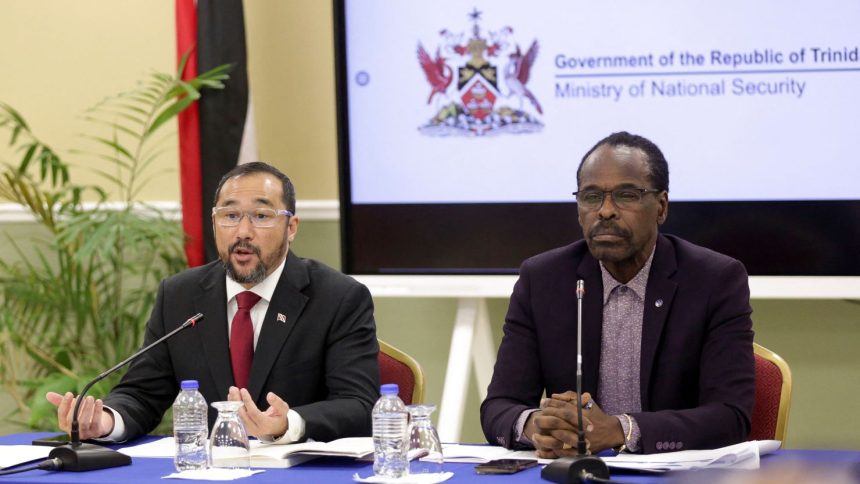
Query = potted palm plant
x=75 y=299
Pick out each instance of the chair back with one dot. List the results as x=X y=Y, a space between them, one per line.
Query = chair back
x=772 y=395
x=396 y=366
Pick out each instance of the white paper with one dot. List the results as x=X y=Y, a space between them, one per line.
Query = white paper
x=157 y=448
x=18 y=454
x=479 y=454
x=739 y=456
x=268 y=455
x=475 y=454
x=287 y=455
x=346 y=447
x=526 y=454
x=213 y=474
x=410 y=479
x=765 y=447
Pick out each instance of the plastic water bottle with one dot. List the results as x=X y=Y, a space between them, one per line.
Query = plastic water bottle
x=190 y=428
x=390 y=443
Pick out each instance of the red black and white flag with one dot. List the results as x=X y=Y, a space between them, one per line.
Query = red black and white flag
x=217 y=132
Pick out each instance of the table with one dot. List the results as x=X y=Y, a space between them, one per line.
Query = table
x=333 y=470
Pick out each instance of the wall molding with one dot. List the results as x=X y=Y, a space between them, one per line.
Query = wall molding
x=308 y=210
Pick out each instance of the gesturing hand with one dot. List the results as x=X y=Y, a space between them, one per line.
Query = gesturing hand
x=93 y=420
x=269 y=424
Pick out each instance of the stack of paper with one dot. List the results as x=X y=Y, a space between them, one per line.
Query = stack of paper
x=476 y=454
x=739 y=456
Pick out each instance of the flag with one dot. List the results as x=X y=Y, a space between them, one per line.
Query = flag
x=217 y=132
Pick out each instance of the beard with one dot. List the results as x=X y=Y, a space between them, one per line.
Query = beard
x=260 y=271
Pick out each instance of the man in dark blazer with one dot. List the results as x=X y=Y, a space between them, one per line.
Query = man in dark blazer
x=313 y=363
x=673 y=360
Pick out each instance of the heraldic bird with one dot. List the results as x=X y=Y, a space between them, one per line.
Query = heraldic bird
x=517 y=74
x=439 y=75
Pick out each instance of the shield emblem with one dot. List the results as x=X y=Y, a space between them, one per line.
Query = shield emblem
x=478 y=95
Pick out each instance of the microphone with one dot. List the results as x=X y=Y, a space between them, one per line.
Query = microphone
x=583 y=467
x=77 y=456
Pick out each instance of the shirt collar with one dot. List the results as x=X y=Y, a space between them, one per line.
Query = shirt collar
x=265 y=289
x=637 y=284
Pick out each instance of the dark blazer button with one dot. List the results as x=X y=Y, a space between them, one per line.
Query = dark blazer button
x=671 y=445
x=680 y=445
x=659 y=445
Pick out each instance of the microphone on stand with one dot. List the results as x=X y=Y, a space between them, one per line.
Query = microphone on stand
x=77 y=456
x=582 y=467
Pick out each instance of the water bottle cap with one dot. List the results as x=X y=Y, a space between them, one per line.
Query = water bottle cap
x=189 y=385
x=389 y=389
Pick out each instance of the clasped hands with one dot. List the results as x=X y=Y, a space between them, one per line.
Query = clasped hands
x=553 y=429
x=94 y=421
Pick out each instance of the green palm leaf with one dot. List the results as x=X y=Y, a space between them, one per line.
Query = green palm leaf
x=85 y=287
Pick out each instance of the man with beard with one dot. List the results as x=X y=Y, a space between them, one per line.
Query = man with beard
x=291 y=338
x=666 y=330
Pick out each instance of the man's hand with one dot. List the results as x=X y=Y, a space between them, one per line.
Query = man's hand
x=553 y=429
x=271 y=424
x=94 y=420
x=605 y=430
x=556 y=426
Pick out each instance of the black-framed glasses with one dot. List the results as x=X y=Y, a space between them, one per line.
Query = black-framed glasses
x=624 y=198
x=259 y=217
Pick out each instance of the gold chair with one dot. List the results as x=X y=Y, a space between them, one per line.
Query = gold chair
x=396 y=366
x=772 y=395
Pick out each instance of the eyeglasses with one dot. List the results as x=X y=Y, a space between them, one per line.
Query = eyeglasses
x=625 y=198
x=259 y=217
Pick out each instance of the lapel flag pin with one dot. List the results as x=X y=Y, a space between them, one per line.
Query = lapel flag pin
x=282 y=318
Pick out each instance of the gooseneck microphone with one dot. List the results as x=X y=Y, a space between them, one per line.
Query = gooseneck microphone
x=581 y=445
x=77 y=456
x=583 y=467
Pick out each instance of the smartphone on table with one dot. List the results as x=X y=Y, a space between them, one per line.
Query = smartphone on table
x=505 y=466
x=52 y=440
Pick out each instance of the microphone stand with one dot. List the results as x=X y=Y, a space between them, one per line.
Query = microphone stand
x=79 y=456
x=582 y=467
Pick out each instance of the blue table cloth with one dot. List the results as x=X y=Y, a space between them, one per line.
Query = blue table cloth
x=334 y=470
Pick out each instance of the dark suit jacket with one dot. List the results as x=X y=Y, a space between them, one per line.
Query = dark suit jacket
x=322 y=361
x=697 y=369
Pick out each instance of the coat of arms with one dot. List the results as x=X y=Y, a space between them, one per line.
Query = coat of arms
x=480 y=106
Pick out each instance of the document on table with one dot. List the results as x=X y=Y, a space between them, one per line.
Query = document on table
x=12 y=455
x=477 y=454
x=739 y=456
x=271 y=455
x=288 y=455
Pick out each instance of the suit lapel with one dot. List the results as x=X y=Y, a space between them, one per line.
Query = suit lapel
x=212 y=302
x=658 y=302
x=283 y=314
x=592 y=321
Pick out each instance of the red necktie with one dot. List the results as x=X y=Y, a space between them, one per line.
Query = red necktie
x=242 y=338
